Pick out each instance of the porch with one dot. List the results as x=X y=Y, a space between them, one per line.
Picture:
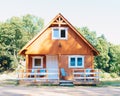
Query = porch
x=53 y=76
x=86 y=76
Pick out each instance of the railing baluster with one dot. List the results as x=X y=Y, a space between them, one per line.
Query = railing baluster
x=81 y=74
x=29 y=75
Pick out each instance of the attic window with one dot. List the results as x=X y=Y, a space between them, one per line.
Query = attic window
x=59 y=33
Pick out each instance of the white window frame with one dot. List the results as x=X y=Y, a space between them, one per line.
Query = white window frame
x=76 y=56
x=59 y=29
x=33 y=61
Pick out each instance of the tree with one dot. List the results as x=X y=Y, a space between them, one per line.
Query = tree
x=5 y=63
x=114 y=62
x=16 y=32
x=103 y=58
x=89 y=35
x=32 y=25
x=11 y=34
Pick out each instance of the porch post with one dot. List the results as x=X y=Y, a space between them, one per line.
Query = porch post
x=27 y=62
x=59 y=63
x=92 y=59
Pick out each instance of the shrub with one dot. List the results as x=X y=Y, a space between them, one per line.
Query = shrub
x=113 y=75
x=104 y=74
x=5 y=63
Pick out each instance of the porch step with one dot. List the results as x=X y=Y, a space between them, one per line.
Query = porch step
x=66 y=83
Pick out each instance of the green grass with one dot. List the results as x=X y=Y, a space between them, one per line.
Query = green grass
x=105 y=83
x=8 y=82
x=110 y=83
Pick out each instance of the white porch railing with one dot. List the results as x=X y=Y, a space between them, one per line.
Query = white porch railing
x=38 y=74
x=82 y=75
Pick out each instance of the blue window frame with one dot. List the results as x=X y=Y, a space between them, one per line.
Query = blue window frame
x=76 y=61
x=79 y=61
x=72 y=61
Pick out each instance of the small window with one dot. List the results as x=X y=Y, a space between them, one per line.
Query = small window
x=72 y=61
x=76 y=61
x=63 y=34
x=79 y=61
x=55 y=33
x=59 y=33
x=37 y=62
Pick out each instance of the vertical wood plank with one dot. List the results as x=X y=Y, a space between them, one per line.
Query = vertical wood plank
x=27 y=62
x=59 y=64
x=35 y=75
x=84 y=75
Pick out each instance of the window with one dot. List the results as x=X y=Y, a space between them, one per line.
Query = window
x=76 y=61
x=72 y=61
x=56 y=33
x=62 y=33
x=59 y=33
x=37 y=62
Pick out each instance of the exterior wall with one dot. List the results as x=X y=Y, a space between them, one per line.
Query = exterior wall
x=46 y=45
x=43 y=45
x=30 y=61
x=74 y=45
x=64 y=63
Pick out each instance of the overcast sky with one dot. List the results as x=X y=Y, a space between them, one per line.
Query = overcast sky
x=102 y=16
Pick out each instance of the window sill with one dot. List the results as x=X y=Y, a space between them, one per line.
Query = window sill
x=36 y=67
x=59 y=39
x=76 y=66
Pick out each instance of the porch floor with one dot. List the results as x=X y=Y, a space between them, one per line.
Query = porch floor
x=80 y=77
x=59 y=82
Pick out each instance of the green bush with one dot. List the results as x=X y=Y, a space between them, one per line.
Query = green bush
x=113 y=75
x=5 y=63
x=105 y=75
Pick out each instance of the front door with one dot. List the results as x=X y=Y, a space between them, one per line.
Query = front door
x=52 y=66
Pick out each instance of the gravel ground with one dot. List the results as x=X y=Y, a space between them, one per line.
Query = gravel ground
x=8 y=88
x=58 y=91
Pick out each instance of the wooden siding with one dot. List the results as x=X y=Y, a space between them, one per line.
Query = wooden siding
x=58 y=21
x=43 y=45
x=64 y=64
x=30 y=61
x=46 y=45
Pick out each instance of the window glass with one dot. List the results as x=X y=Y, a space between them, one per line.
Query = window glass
x=72 y=61
x=76 y=61
x=63 y=35
x=55 y=33
x=79 y=61
x=59 y=33
x=37 y=62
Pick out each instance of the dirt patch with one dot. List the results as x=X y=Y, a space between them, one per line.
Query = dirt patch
x=58 y=91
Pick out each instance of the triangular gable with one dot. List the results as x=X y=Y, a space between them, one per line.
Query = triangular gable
x=59 y=20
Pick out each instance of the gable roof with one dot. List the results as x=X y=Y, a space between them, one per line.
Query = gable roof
x=57 y=21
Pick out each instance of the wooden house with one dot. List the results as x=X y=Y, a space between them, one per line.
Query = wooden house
x=58 y=54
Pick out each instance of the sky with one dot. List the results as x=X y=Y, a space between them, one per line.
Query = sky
x=101 y=16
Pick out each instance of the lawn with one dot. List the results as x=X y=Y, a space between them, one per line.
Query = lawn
x=110 y=83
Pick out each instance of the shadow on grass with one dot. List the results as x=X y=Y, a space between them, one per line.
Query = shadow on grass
x=9 y=82
x=107 y=83
x=115 y=83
